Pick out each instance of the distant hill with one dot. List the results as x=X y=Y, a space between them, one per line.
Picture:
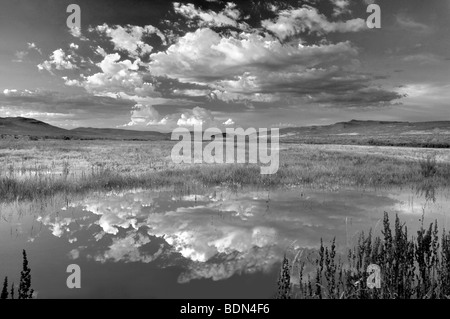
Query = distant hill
x=381 y=133
x=21 y=126
x=28 y=126
x=390 y=133
x=357 y=127
x=108 y=133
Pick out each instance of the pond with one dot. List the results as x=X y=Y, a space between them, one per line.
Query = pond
x=203 y=243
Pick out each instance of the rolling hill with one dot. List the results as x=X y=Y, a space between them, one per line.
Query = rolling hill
x=378 y=133
x=27 y=127
x=419 y=134
x=357 y=127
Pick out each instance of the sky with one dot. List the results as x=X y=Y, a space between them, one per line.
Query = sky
x=158 y=65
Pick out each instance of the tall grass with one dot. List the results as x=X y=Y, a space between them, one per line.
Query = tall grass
x=35 y=169
x=428 y=166
x=412 y=267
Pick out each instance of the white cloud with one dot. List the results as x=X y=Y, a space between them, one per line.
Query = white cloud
x=128 y=250
x=341 y=7
x=229 y=16
x=292 y=22
x=59 y=60
x=59 y=226
x=43 y=116
x=407 y=22
x=223 y=59
x=118 y=76
x=32 y=46
x=9 y=91
x=100 y=51
x=204 y=56
x=146 y=115
x=228 y=122
x=22 y=93
x=20 y=56
x=130 y=38
x=247 y=262
x=198 y=116
x=422 y=58
x=191 y=92
x=248 y=67
x=76 y=33
x=71 y=82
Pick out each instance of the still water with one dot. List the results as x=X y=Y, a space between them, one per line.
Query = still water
x=207 y=243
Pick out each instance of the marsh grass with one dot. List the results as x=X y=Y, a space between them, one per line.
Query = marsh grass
x=412 y=267
x=36 y=169
x=428 y=166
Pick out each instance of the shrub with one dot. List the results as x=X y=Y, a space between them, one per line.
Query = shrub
x=25 y=291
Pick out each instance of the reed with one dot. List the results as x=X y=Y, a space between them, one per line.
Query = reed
x=412 y=267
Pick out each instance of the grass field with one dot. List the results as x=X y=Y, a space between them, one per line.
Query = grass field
x=35 y=169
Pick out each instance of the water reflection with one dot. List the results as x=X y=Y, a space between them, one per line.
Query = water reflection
x=212 y=234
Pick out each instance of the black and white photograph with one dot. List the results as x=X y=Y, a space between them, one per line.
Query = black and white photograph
x=224 y=150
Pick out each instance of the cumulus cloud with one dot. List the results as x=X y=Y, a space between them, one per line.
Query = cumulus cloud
x=33 y=46
x=117 y=75
x=58 y=226
x=59 y=60
x=248 y=262
x=259 y=68
x=201 y=246
x=147 y=115
x=224 y=58
x=198 y=116
x=292 y=22
x=76 y=33
x=229 y=16
x=218 y=57
x=228 y=122
x=341 y=7
x=130 y=38
x=213 y=249
x=144 y=115
x=128 y=249
x=115 y=215
x=212 y=235
x=119 y=78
